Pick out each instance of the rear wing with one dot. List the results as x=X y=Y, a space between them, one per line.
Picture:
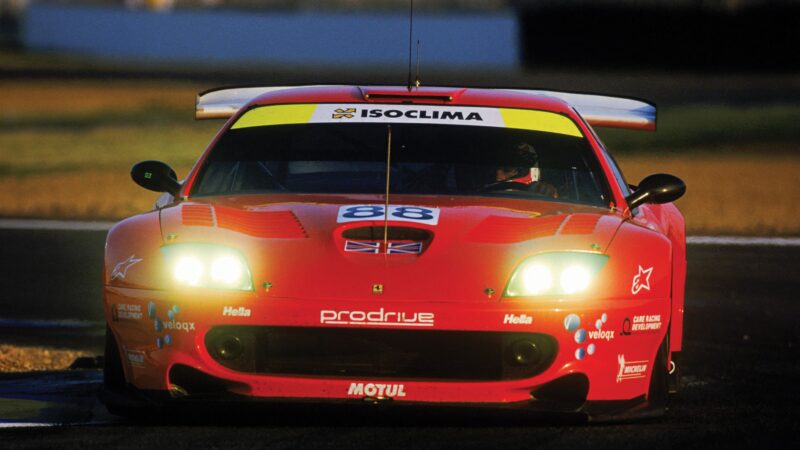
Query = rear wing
x=223 y=103
x=597 y=110
x=607 y=111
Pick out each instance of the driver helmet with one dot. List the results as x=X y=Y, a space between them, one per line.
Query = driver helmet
x=529 y=173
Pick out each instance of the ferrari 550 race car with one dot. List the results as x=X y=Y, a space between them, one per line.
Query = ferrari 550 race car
x=434 y=246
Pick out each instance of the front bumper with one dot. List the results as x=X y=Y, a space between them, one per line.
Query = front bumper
x=331 y=350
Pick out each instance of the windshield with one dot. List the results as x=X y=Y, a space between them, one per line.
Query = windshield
x=350 y=158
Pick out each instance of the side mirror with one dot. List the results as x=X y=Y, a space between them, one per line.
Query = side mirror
x=156 y=176
x=658 y=188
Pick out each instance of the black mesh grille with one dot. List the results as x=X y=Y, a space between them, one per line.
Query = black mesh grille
x=404 y=354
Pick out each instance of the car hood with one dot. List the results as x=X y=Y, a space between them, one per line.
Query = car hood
x=307 y=246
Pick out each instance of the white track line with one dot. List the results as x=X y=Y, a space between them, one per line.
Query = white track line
x=742 y=240
x=27 y=424
x=49 y=324
x=66 y=225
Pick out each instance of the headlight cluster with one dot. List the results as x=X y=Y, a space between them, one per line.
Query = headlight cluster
x=563 y=273
x=207 y=265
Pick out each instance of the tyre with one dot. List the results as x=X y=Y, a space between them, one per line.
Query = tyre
x=658 y=392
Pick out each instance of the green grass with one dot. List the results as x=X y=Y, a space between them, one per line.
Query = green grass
x=38 y=150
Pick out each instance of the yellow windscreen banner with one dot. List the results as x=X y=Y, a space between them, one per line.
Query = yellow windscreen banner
x=276 y=115
x=523 y=119
x=528 y=119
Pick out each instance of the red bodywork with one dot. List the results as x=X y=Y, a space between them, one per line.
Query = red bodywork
x=304 y=281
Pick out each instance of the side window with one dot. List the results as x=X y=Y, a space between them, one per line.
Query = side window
x=623 y=185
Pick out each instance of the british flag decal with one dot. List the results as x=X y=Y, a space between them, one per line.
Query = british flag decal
x=404 y=248
x=362 y=247
x=393 y=248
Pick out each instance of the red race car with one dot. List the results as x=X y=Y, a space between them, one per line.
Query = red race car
x=436 y=246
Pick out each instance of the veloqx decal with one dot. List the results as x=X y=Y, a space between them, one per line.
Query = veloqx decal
x=161 y=326
x=629 y=370
x=418 y=214
x=572 y=322
x=380 y=317
x=121 y=269
x=376 y=390
x=641 y=280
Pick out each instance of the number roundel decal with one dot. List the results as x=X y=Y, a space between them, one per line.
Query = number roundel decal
x=420 y=214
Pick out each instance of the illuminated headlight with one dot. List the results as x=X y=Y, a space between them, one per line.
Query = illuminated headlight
x=563 y=273
x=207 y=265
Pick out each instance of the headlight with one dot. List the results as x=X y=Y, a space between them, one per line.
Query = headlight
x=564 y=273
x=207 y=265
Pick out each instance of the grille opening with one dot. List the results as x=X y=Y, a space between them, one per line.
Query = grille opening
x=394 y=234
x=383 y=353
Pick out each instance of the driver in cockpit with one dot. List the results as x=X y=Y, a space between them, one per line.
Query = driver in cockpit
x=527 y=175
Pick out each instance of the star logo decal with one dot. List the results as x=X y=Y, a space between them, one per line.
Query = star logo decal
x=121 y=269
x=641 y=280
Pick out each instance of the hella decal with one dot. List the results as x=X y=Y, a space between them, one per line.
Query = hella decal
x=380 y=317
x=641 y=280
x=236 y=312
x=513 y=319
x=376 y=390
x=629 y=370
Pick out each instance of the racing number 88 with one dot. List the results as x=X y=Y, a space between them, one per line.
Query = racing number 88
x=413 y=213
x=400 y=212
x=363 y=212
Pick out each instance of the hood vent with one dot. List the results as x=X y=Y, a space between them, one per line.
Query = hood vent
x=580 y=224
x=262 y=224
x=197 y=216
x=394 y=234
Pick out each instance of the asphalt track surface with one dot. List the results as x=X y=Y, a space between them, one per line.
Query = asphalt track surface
x=739 y=384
